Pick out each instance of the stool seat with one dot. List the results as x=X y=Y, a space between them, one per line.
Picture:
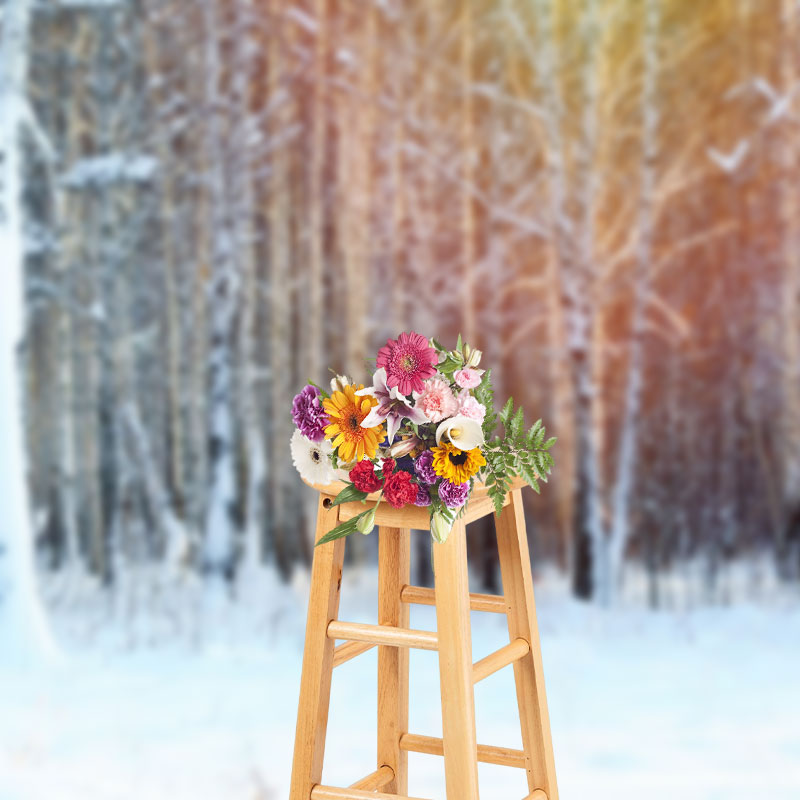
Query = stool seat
x=452 y=641
x=480 y=505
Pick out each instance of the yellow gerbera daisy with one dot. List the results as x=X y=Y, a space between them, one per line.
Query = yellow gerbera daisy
x=457 y=466
x=346 y=412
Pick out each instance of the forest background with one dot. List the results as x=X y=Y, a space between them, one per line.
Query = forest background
x=221 y=199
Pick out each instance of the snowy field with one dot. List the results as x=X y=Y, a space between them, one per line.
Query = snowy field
x=702 y=705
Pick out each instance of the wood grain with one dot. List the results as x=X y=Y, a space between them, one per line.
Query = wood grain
x=344 y=652
x=489 y=754
x=375 y=781
x=420 y=595
x=455 y=665
x=332 y=793
x=383 y=634
x=315 y=680
x=500 y=658
x=515 y=565
x=394 y=569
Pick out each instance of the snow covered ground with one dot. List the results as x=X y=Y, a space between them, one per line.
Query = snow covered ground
x=702 y=706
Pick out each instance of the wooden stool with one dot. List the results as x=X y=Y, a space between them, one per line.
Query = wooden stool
x=393 y=637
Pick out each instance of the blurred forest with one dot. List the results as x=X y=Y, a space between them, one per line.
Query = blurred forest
x=223 y=198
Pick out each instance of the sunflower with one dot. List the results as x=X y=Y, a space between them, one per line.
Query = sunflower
x=347 y=411
x=457 y=466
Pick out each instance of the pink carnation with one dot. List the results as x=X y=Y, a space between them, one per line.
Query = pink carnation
x=468 y=378
x=437 y=400
x=469 y=407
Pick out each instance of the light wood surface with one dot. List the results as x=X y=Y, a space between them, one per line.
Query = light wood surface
x=479 y=489
x=489 y=754
x=500 y=658
x=420 y=595
x=332 y=793
x=393 y=637
x=382 y=634
x=455 y=665
x=512 y=545
x=344 y=652
x=480 y=505
x=394 y=570
x=375 y=781
x=315 y=680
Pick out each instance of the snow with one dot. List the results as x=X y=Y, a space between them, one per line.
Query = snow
x=699 y=705
x=111 y=168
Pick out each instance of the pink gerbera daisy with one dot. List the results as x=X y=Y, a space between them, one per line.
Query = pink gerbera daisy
x=408 y=361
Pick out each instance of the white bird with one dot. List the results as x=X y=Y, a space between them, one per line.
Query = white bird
x=729 y=162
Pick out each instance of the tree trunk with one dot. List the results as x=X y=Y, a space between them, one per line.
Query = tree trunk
x=24 y=632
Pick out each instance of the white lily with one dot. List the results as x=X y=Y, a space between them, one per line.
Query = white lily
x=463 y=432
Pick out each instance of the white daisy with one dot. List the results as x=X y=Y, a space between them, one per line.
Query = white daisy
x=312 y=459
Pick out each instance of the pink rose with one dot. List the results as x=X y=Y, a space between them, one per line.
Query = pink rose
x=437 y=400
x=468 y=378
x=469 y=407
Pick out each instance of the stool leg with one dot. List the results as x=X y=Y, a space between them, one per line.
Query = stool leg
x=315 y=681
x=394 y=572
x=512 y=545
x=455 y=665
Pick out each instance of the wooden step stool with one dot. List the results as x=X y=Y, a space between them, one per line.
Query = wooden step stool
x=393 y=637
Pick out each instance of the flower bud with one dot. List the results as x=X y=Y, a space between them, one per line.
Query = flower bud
x=366 y=523
x=339 y=382
x=474 y=358
x=440 y=528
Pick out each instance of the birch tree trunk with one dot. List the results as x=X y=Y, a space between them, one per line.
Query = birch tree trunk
x=627 y=451
x=790 y=303
x=219 y=544
x=25 y=636
x=468 y=156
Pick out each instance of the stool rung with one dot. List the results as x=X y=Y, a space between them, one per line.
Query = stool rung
x=383 y=634
x=332 y=793
x=432 y=745
x=344 y=652
x=419 y=595
x=375 y=780
x=536 y=794
x=512 y=652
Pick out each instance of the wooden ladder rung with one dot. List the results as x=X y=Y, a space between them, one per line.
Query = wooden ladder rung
x=332 y=793
x=536 y=794
x=432 y=745
x=512 y=652
x=375 y=780
x=344 y=652
x=383 y=634
x=419 y=595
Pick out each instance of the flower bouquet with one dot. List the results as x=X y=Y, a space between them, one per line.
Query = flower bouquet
x=421 y=434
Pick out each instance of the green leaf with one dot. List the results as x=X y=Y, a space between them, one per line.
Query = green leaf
x=549 y=443
x=344 y=529
x=459 y=345
x=517 y=421
x=348 y=495
x=507 y=411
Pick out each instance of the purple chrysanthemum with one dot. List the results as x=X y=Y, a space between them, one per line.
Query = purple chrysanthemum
x=453 y=495
x=308 y=414
x=423 y=466
x=423 y=498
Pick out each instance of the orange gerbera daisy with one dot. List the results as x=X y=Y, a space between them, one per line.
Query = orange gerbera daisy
x=347 y=411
